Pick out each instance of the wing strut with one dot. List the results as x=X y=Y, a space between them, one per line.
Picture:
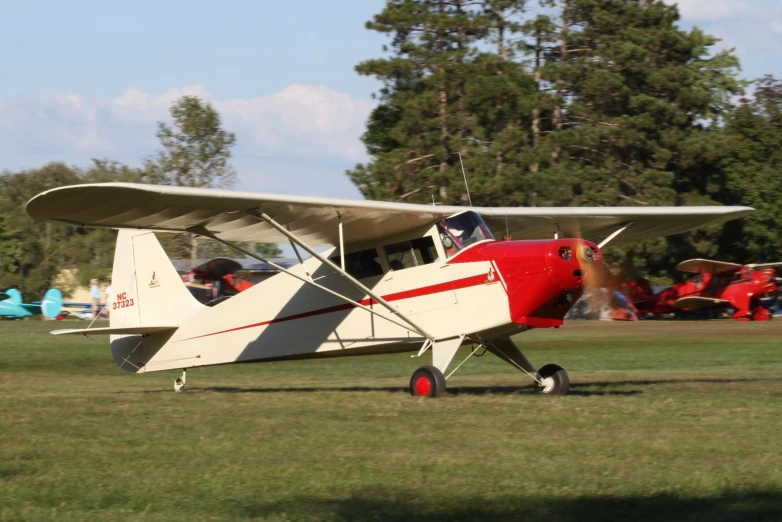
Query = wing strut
x=206 y=233
x=614 y=234
x=352 y=280
x=301 y=261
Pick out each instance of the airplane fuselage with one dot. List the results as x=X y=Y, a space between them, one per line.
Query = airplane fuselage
x=488 y=290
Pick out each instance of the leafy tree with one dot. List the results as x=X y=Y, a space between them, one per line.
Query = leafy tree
x=196 y=153
x=633 y=94
x=31 y=252
x=752 y=167
x=422 y=121
x=196 y=150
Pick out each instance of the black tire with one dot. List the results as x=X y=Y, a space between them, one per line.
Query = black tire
x=559 y=384
x=427 y=381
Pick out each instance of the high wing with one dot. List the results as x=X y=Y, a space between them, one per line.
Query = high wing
x=228 y=215
x=707 y=266
x=699 y=303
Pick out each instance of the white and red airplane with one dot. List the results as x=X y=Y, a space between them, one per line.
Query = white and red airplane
x=398 y=277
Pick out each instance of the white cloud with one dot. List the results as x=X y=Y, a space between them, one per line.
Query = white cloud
x=752 y=27
x=64 y=120
x=712 y=10
x=300 y=120
x=137 y=106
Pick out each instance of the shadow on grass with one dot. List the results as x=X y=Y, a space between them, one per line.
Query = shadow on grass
x=654 y=382
x=458 y=390
x=585 y=389
x=396 y=507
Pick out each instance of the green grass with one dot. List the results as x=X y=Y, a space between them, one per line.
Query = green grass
x=666 y=421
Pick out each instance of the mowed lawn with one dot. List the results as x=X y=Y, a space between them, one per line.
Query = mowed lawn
x=666 y=421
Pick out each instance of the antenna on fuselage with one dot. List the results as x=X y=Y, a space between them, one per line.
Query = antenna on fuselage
x=507 y=230
x=465 y=178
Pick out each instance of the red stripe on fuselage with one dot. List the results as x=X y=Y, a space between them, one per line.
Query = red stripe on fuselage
x=407 y=294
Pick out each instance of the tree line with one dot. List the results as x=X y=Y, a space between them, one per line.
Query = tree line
x=574 y=103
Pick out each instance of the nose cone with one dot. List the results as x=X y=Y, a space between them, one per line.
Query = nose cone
x=544 y=278
x=574 y=263
x=768 y=283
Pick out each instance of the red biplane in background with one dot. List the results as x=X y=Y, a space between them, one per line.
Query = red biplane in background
x=213 y=280
x=750 y=289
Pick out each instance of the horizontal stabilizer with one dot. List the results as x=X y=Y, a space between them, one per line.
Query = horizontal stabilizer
x=707 y=266
x=699 y=303
x=129 y=330
x=765 y=265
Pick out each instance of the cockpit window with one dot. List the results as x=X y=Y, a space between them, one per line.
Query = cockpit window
x=462 y=230
x=408 y=254
x=361 y=264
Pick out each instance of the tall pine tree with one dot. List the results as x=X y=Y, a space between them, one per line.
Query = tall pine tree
x=752 y=167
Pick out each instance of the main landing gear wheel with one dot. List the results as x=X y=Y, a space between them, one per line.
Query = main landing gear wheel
x=427 y=381
x=553 y=380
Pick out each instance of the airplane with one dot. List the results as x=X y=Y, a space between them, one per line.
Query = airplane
x=396 y=277
x=12 y=307
x=751 y=289
x=213 y=280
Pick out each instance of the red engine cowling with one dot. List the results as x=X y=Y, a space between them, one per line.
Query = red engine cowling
x=544 y=278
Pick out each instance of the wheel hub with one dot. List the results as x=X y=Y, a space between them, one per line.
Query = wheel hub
x=423 y=386
x=547 y=384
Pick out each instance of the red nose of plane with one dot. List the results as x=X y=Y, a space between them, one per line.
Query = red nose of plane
x=543 y=278
x=767 y=282
x=573 y=263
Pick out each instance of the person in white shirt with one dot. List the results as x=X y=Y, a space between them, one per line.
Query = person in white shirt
x=108 y=298
x=95 y=295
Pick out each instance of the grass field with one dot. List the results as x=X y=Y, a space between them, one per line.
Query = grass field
x=665 y=421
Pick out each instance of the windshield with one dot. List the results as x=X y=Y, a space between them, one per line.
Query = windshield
x=462 y=230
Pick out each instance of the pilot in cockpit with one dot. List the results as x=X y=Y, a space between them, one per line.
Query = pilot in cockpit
x=460 y=231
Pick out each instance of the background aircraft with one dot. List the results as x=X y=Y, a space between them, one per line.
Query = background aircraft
x=398 y=277
x=12 y=307
x=213 y=280
x=751 y=289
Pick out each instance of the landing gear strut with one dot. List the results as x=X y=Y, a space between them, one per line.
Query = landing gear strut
x=551 y=379
x=179 y=384
x=429 y=381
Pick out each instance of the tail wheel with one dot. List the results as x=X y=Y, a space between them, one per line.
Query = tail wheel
x=427 y=381
x=553 y=380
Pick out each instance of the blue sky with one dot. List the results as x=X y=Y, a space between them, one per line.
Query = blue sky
x=83 y=79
